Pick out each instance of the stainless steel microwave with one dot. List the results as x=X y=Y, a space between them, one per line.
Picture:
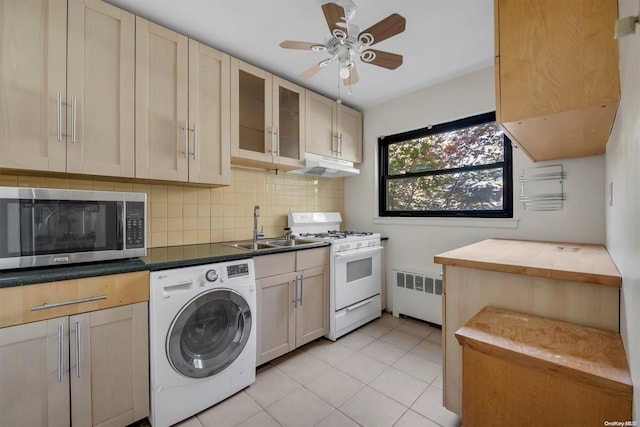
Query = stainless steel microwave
x=40 y=226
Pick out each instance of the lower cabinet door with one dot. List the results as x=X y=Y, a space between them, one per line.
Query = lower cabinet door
x=312 y=313
x=109 y=367
x=34 y=380
x=276 y=316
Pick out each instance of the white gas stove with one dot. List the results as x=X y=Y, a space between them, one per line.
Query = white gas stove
x=355 y=269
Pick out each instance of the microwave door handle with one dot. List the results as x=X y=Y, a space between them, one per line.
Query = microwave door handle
x=122 y=223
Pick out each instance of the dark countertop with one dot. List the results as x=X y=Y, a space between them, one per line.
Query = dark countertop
x=156 y=259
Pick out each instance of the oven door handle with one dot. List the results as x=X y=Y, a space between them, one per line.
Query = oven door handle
x=360 y=252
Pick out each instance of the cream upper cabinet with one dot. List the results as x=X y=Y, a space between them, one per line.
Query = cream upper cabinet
x=83 y=125
x=33 y=109
x=100 y=89
x=34 y=374
x=557 y=78
x=267 y=119
x=209 y=109
x=182 y=108
x=333 y=129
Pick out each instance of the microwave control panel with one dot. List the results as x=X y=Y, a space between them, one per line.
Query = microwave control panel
x=135 y=225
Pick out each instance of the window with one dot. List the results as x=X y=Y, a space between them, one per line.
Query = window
x=456 y=169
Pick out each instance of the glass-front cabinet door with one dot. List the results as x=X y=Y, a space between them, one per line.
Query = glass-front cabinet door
x=267 y=119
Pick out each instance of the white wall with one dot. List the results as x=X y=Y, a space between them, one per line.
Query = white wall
x=414 y=242
x=623 y=218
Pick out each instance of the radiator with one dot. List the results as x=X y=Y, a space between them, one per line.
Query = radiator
x=417 y=295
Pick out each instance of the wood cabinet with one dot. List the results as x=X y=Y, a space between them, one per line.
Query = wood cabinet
x=577 y=283
x=557 y=80
x=182 y=108
x=48 y=386
x=525 y=370
x=293 y=301
x=68 y=93
x=267 y=119
x=333 y=129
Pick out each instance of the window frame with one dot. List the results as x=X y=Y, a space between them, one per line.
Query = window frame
x=507 y=167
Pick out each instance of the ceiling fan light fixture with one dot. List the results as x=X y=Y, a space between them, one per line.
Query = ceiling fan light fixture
x=344 y=71
x=318 y=48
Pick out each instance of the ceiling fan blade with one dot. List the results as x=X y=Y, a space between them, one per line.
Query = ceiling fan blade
x=290 y=44
x=311 y=71
x=382 y=59
x=388 y=27
x=353 y=78
x=334 y=15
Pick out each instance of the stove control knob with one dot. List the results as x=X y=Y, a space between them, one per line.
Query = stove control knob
x=211 y=275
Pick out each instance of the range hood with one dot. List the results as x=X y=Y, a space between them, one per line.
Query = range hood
x=327 y=167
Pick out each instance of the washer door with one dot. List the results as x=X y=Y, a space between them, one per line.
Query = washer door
x=209 y=333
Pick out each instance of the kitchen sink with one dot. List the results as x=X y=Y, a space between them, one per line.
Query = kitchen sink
x=284 y=242
x=268 y=244
x=249 y=245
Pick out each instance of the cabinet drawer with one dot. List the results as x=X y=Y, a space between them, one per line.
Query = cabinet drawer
x=311 y=258
x=69 y=297
x=271 y=265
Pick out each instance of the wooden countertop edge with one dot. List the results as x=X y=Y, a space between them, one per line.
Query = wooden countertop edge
x=573 y=276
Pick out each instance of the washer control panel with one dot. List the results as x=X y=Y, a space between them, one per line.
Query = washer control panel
x=237 y=270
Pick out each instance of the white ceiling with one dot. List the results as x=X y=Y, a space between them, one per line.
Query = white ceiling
x=443 y=39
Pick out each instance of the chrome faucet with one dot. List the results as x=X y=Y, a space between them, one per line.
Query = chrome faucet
x=256 y=234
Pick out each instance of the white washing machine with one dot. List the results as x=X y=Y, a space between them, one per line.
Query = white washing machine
x=202 y=323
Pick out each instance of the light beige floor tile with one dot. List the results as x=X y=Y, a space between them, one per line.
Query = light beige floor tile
x=303 y=367
x=374 y=330
x=334 y=386
x=429 y=349
x=401 y=339
x=271 y=384
x=300 y=408
x=371 y=408
x=418 y=329
x=438 y=381
x=384 y=352
x=190 y=422
x=389 y=321
x=229 y=412
x=418 y=367
x=436 y=336
x=356 y=340
x=399 y=386
x=361 y=367
x=429 y=404
x=413 y=419
x=329 y=351
x=261 y=419
x=337 y=419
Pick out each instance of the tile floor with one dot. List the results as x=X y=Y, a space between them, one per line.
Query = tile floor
x=387 y=373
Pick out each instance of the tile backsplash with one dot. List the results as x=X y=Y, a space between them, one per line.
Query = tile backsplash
x=184 y=215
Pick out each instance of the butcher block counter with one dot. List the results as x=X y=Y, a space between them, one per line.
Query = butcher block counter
x=576 y=283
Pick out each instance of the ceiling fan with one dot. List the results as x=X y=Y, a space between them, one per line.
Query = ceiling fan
x=347 y=42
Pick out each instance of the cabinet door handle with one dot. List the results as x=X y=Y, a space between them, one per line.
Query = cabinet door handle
x=77 y=349
x=335 y=136
x=301 y=288
x=62 y=304
x=340 y=145
x=295 y=297
x=276 y=134
x=195 y=141
x=59 y=116
x=73 y=119
x=60 y=352
x=186 y=140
